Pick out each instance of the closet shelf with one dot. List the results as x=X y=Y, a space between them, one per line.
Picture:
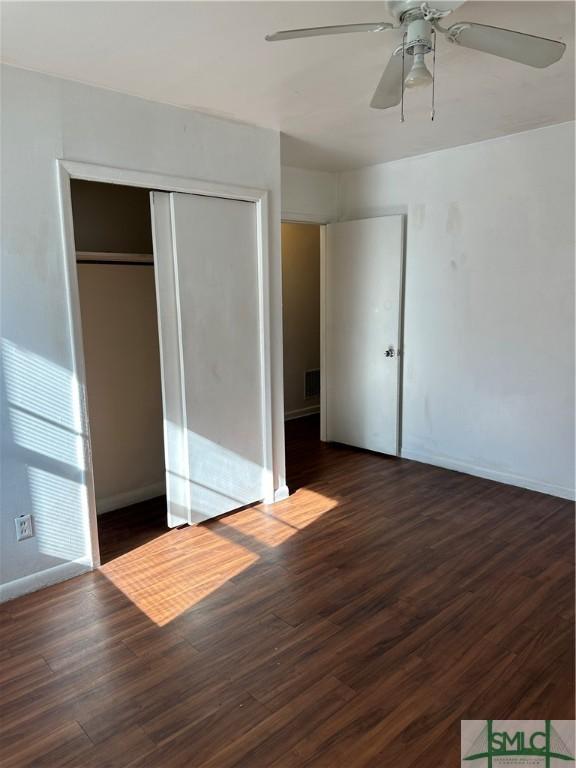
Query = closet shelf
x=116 y=259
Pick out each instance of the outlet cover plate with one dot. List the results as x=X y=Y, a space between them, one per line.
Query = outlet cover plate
x=23 y=527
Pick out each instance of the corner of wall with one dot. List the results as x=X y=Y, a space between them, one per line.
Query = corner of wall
x=309 y=195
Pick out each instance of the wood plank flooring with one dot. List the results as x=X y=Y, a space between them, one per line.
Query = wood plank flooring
x=351 y=626
x=125 y=529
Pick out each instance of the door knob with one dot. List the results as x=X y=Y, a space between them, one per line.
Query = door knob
x=390 y=352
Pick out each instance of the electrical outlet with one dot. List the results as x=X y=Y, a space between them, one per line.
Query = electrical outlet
x=23 y=527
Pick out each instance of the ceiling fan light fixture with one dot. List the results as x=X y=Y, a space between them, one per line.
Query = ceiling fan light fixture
x=419 y=75
x=419 y=24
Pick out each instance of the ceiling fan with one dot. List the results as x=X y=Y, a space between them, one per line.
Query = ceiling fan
x=419 y=22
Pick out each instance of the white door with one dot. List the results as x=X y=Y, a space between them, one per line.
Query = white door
x=211 y=322
x=362 y=296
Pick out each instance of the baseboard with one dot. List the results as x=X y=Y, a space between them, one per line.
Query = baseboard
x=490 y=474
x=125 y=499
x=300 y=412
x=281 y=493
x=43 y=579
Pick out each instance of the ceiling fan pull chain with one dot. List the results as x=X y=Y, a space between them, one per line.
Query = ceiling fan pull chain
x=402 y=86
x=433 y=113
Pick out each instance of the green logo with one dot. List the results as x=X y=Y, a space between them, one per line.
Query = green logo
x=545 y=744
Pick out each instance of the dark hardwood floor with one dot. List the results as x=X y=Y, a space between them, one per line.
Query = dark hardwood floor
x=126 y=529
x=353 y=625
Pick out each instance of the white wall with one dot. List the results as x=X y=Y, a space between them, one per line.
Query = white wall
x=489 y=307
x=45 y=118
x=300 y=314
x=309 y=195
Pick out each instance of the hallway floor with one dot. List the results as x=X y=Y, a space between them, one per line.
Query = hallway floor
x=351 y=626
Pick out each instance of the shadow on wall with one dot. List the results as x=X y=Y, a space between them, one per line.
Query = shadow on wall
x=44 y=436
x=42 y=418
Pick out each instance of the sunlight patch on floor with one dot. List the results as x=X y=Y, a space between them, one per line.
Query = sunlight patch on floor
x=173 y=573
x=259 y=525
x=302 y=508
x=274 y=524
x=164 y=580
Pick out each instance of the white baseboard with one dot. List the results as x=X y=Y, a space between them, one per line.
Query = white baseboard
x=281 y=493
x=43 y=579
x=125 y=499
x=490 y=474
x=300 y=412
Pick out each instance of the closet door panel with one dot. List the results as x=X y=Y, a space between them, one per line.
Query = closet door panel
x=220 y=426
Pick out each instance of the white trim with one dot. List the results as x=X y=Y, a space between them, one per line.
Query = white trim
x=159 y=181
x=184 y=443
x=126 y=498
x=400 y=342
x=163 y=277
x=265 y=343
x=323 y=393
x=301 y=412
x=295 y=217
x=69 y=169
x=78 y=365
x=281 y=494
x=490 y=474
x=45 y=578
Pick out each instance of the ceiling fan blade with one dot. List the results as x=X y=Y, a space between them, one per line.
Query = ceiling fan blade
x=291 y=34
x=516 y=46
x=389 y=90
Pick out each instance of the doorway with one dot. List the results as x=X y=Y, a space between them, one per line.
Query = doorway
x=301 y=245
x=301 y=319
x=342 y=314
x=116 y=285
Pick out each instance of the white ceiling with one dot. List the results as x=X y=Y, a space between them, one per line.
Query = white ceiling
x=212 y=56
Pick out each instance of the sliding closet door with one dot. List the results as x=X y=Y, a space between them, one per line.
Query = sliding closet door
x=210 y=316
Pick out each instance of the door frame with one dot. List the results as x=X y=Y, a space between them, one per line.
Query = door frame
x=68 y=170
x=323 y=396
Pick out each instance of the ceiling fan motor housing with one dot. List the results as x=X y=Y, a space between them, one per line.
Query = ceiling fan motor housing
x=418 y=37
x=400 y=9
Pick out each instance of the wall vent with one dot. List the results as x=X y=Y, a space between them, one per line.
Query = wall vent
x=312 y=383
